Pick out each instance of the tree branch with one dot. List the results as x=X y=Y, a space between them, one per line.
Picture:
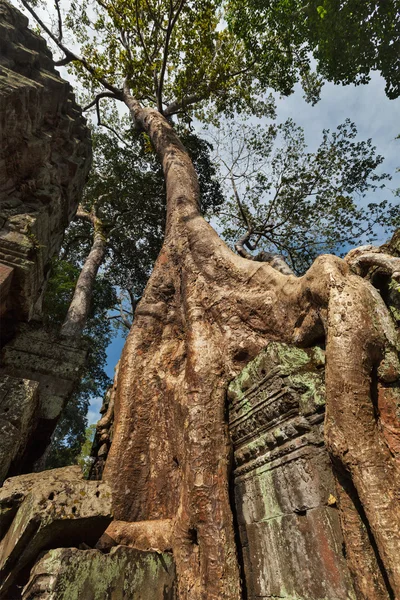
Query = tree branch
x=171 y=24
x=100 y=122
x=69 y=55
x=60 y=31
x=98 y=97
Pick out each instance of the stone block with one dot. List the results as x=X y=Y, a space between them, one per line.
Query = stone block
x=123 y=574
x=14 y=490
x=60 y=509
x=283 y=482
x=55 y=365
x=9 y=445
x=6 y=274
x=19 y=401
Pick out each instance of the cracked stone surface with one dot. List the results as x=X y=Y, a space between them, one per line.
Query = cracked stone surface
x=284 y=489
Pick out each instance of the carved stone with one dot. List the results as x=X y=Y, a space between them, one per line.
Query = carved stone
x=47 y=510
x=45 y=156
x=54 y=364
x=124 y=573
x=290 y=534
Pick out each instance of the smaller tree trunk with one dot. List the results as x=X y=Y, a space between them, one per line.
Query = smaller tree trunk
x=78 y=311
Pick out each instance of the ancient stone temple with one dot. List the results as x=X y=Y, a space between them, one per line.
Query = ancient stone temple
x=45 y=157
x=59 y=536
x=290 y=541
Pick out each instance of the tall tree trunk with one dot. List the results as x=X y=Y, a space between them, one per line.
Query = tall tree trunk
x=79 y=308
x=204 y=314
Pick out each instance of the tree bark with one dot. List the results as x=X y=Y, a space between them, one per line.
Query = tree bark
x=79 y=308
x=204 y=314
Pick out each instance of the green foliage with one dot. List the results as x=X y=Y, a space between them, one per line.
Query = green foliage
x=170 y=53
x=70 y=431
x=299 y=203
x=348 y=38
x=127 y=186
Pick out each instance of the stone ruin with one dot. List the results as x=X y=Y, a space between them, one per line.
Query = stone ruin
x=56 y=527
x=45 y=157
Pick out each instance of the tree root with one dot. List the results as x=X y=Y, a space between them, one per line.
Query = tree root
x=204 y=314
x=149 y=536
x=364 y=258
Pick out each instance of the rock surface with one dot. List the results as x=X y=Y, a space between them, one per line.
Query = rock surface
x=19 y=401
x=47 y=510
x=283 y=483
x=45 y=156
x=54 y=365
x=123 y=574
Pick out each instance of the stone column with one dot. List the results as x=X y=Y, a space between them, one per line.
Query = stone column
x=284 y=492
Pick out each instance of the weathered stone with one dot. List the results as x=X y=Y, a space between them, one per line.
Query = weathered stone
x=54 y=364
x=19 y=399
x=123 y=574
x=284 y=488
x=14 y=490
x=6 y=274
x=9 y=445
x=48 y=511
x=45 y=156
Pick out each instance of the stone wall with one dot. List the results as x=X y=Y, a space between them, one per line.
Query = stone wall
x=284 y=492
x=45 y=156
x=50 y=365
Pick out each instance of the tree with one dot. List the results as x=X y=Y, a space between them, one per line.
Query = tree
x=348 y=39
x=206 y=311
x=126 y=188
x=287 y=201
x=125 y=198
x=69 y=434
x=84 y=459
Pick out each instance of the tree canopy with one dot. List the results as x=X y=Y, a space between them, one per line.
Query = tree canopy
x=285 y=199
x=349 y=39
x=177 y=56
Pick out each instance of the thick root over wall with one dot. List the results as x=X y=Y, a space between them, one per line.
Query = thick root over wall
x=205 y=313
